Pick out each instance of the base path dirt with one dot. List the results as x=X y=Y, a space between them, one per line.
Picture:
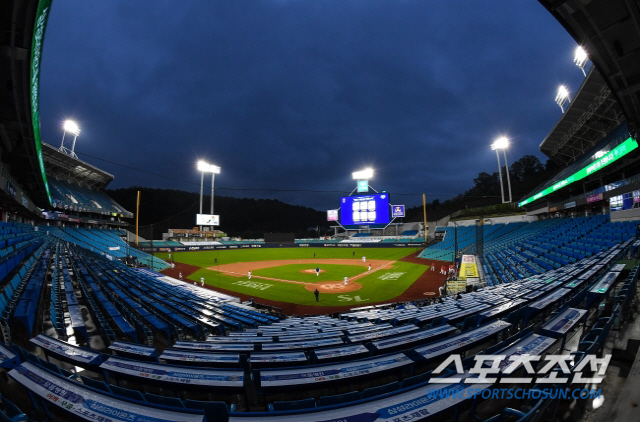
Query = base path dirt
x=426 y=286
x=241 y=269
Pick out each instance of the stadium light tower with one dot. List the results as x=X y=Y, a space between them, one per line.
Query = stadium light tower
x=502 y=143
x=365 y=174
x=71 y=127
x=563 y=97
x=580 y=58
x=205 y=167
x=363 y=177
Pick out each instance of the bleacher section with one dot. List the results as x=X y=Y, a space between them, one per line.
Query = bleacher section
x=165 y=244
x=518 y=250
x=71 y=196
x=174 y=350
x=106 y=242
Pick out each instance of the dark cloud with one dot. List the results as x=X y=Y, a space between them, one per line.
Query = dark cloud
x=298 y=94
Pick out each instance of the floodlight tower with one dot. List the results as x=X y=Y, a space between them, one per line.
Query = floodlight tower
x=71 y=127
x=502 y=143
x=563 y=97
x=580 y=58
x=205 y=167
x=363 y=177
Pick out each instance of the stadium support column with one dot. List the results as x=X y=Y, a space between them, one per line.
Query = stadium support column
x=455 y=241
x=151 y=243
x=424 y=212
x=506 y=166
x=480 y=237
x=213 y=178
x=500 y=175
x=201 y=190
x=137 y=214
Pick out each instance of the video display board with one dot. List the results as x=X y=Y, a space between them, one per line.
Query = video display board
x=365 y=209
x=207 y=220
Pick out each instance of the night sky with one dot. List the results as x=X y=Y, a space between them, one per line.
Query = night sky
x=290 y=95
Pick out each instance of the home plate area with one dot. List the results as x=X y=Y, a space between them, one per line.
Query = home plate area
x=333 y=287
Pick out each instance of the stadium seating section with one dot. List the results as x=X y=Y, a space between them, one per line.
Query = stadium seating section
x=515 y=251
x=79 y=324
x=71 y=196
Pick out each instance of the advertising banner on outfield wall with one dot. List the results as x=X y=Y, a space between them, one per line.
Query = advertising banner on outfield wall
x=286 y=245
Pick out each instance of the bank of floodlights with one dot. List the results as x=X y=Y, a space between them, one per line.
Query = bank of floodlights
x=580 y=58
x=563 y=97
x=365 y=174
x=71 y=127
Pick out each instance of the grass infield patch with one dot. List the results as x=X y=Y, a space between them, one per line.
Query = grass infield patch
x=381 y=285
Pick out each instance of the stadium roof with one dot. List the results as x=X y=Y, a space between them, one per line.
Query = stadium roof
x=17 y=140
x=64 y=167
x=590 y=116
x=609 y=30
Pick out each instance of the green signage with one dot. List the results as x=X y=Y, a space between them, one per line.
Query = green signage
x=36 y=53
x=618 y=152
x=363 y=186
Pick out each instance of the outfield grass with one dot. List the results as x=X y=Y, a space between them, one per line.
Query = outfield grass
x=293 y=272
x=229 y=256
x=378 y=286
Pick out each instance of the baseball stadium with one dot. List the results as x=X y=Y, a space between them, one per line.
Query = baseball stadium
x=519 y=310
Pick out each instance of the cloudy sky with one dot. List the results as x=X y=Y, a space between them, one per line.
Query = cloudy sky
x=290 y=96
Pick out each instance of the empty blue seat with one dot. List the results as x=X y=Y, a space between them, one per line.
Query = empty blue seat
x=125 y=392
x=338 y=399
x=99 y=385
x=277 y=406
x=213 y=410
x=11 y=412
x=167 y=401
x=416 y=379
x=383 y=389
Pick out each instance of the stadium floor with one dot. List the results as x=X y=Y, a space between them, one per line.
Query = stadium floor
x=429 y=282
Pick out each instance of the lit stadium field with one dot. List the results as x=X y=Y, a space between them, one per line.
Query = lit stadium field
x=288 y=274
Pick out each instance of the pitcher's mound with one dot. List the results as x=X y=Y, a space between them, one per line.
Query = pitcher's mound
x=310 y=271
x=336 y=287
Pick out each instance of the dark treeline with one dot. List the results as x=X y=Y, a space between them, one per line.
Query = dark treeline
x=526 y=174
x=163 y=209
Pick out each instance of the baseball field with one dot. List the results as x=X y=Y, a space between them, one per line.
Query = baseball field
x=288 y=277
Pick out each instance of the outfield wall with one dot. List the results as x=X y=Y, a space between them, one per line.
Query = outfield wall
x=288 y=245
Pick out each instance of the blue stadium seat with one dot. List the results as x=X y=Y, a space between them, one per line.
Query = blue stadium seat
x=167 y=401
x=277 y=406
x=338 y=399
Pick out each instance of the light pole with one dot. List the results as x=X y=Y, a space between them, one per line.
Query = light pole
x=205 y=167
x=503 y=143
x=563 y=97
x=71 y=127
x=580 y=58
